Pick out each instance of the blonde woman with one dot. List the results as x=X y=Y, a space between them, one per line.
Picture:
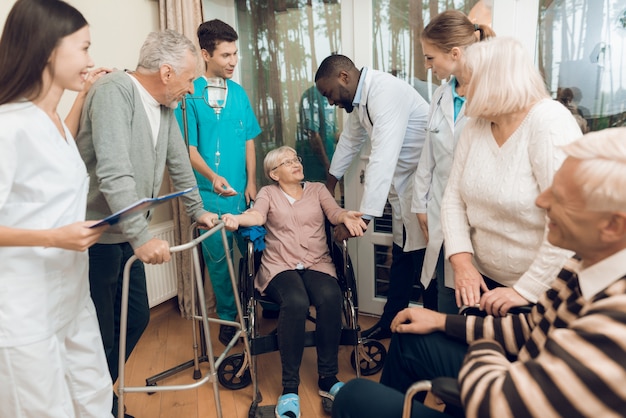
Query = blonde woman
x=495 y=236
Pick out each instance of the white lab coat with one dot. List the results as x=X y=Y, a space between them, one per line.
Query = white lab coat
x=44 y=292
x=393 y=116
x=432 y=175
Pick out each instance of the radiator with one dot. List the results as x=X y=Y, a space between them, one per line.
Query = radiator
x=161 y=278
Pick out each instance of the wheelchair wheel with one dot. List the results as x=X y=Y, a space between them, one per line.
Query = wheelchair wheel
x=371 y=358
x=227 y=373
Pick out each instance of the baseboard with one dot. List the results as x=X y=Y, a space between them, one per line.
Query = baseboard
x=170 y=305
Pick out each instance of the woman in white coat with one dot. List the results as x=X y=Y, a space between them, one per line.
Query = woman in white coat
x=443 y=42
x=52 y=361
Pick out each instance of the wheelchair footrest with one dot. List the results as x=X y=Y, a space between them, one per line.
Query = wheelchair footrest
x=265 y=411
x=349 y=336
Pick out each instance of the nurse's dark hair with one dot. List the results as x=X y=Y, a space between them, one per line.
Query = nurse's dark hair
x=213 y=32
x=452 y=28
x=31 y=32
x=332 y=65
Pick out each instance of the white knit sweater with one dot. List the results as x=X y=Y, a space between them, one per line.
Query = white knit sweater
x=489 y=207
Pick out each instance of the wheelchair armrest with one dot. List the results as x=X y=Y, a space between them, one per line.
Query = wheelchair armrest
x=471 y=310
x=447 y=389
x=414 y=389
x=475 y=310
x=444 y=388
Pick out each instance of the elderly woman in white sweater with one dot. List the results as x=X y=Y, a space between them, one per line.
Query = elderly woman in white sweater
x=495 y=237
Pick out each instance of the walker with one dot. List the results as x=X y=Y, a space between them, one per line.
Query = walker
x=213 y=363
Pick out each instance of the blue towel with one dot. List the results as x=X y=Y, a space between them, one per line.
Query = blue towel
x=256 y=234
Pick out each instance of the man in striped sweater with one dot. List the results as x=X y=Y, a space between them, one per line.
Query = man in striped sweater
x=567 y=358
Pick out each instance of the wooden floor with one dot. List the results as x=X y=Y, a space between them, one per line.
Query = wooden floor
x=168 y=342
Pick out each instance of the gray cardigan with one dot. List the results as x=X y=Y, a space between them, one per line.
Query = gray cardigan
x=115 y=141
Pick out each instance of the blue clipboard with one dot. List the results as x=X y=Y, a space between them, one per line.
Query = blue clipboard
x=140 y=207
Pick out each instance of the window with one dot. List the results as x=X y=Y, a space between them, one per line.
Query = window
x=582 y=55
x=282 y=43
x=397 y=27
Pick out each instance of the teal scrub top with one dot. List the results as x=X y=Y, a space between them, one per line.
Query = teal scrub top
x=237 y=124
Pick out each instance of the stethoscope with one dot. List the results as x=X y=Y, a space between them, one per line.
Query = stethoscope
x=434 y=129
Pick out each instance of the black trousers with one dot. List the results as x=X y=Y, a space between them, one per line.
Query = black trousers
x=411 y=358
x=106 y=269
x=294 y=291
x=405 y=271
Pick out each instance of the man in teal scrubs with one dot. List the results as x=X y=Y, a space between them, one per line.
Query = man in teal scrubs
x=317 y=135
x=222 y=154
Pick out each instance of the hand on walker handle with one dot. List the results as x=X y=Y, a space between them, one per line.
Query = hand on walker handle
x=155 y=251
x=207 y=221
x=230 y=221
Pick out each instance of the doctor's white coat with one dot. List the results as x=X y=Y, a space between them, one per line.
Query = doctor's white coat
x=432 y=174
x=393 y=117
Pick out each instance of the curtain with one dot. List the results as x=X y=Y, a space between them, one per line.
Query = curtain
x=184 y=16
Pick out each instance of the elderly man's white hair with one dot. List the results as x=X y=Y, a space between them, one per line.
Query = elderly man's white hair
x=602 y=172
x=164 y=47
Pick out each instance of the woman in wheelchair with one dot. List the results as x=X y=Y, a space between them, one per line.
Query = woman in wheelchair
x=297 y=270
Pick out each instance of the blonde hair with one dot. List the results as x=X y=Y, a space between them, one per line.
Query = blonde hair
x=272 y=159
x=503 y=78
x=602 y=170
x=451 y=28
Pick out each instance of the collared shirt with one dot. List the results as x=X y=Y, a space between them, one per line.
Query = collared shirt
x=457 y=100
x=600 y=275
x=359 y=88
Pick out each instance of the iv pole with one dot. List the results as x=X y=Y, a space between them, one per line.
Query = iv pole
x=215 y=101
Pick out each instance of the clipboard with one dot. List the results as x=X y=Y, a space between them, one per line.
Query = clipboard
x=139 y=207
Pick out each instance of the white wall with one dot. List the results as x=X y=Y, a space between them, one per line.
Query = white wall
x=118 y=28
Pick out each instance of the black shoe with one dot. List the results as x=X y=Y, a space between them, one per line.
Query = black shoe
x=377 y=332
x=226 y=334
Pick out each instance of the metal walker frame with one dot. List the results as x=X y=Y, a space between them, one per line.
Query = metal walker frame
x=203 y=317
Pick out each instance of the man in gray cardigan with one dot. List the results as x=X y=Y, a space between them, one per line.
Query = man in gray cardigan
x=128 y=135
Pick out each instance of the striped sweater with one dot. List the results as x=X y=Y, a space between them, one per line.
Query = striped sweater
x=567 y=358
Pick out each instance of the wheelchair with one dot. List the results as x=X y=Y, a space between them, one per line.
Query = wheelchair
x=367 y=357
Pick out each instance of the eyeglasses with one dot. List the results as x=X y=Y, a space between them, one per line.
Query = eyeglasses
x=289 y=163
